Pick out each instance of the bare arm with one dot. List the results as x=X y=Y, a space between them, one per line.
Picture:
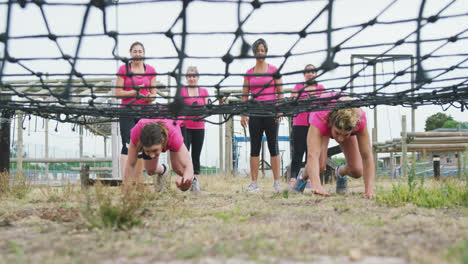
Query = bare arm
x=279 y=88
x=153 y=90
x=119 y=90
x=182 y=163
x=245 y=97
x=314 y=148
x=130 y=170
x=368 y=163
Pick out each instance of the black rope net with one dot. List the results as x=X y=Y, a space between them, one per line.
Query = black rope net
x=358 y=55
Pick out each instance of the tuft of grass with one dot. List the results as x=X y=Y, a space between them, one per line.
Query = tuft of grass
x=458 y=253
x=446 y=194
x=115 y=212
x=17 y=187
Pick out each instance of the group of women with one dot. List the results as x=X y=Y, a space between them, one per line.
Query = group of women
x=143 y=140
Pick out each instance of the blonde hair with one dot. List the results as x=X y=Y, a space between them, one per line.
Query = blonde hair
x=344 y=119
x=153 y=133
x=192 y=69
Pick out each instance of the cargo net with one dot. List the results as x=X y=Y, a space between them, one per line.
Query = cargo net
x=387 y=53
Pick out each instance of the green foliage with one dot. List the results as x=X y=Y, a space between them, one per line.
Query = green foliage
x=117 y=213
x=450 y=124
x=459 y=253
x=464 y=125
x=446 y=194
x=436 y=121
x=18 y=186
x=339 y=161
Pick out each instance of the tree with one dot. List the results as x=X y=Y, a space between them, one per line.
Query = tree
x=436 y=121
x=450 y=124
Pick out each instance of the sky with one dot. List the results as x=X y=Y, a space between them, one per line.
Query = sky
x=149 y=20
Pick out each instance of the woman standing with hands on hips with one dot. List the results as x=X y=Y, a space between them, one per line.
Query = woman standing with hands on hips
x=260 y=84
x=136 y=85
x=194 y=131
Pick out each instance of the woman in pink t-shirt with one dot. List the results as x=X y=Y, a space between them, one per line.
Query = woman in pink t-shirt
x=194 y=131
x=151 y=137
x=300 y=121
x=263 y=87
x=134 y=78
x=349 y=128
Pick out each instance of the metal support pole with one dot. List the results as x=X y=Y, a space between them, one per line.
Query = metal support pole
x=459 y=158
x=46 y=147
x=404 y=154
x=221 y=160
x=19 y=146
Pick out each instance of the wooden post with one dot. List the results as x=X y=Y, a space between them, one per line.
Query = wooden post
x=84 y=176
x=19 y=146
x=392 y=165
x=404 y=154
x=228 y=142
x=5 y=126
x=436 y=165
x=459 y=158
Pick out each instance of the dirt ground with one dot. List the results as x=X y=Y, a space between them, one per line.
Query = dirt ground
x=227 y=225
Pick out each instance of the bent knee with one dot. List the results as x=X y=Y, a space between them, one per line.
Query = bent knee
x=355 y=172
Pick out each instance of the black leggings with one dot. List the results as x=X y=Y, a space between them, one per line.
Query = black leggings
x=194 y=138
x=126 y=124
x=299 y=140
x=256 y=127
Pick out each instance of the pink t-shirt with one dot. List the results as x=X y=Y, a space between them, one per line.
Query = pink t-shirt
x=199 y=100
x=320 y=120
x=137 y=81
x=175 y=135
x=257 y=84
x=301 y=119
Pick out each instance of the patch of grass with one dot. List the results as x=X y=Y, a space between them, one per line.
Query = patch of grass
x=440 y=194
x=458 y=253
x=119 y=212
x=190 y=252
x=18 y=187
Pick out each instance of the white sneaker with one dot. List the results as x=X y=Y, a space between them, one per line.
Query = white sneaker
x=277 y=186
x=253 y=187
x=195 y=188
x=161 y=179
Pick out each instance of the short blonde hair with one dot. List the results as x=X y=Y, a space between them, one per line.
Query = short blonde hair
x=192 y=69
x=344 y=119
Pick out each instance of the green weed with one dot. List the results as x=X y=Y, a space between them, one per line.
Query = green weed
x=445 y=194
x=116 y=213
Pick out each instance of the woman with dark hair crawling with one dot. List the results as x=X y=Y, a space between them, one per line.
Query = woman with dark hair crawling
x=194 y=131
x=152 y=137
x=136 y=85
x=349 y=128
x=300 y=127
x=263 y=87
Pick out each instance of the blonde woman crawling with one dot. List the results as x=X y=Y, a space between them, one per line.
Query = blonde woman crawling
x=349 y=128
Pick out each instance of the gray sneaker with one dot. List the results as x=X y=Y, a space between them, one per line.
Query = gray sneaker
x=253 y=187
x=341 y=182
x=299 y=186
x=277 y=186
x=161 y=179
x=195 y=188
